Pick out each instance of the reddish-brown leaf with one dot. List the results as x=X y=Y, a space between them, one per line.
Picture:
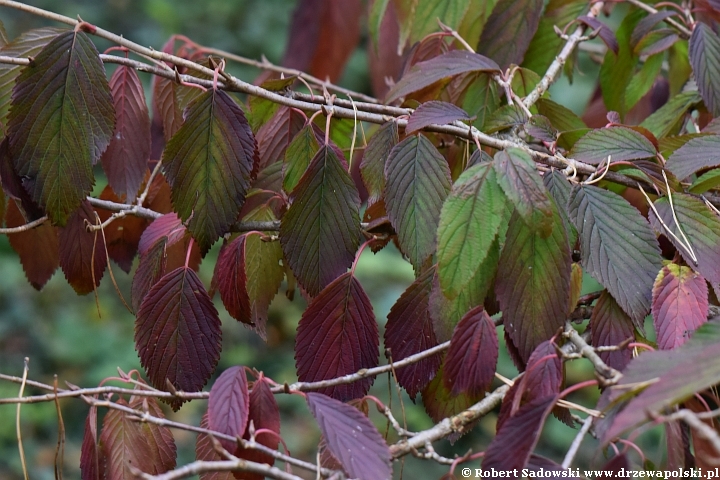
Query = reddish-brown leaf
x=338 y=335
x=13 y=186
x=91 y=463
x=122 y=236
x=680 y=305
x=166 y=104
x=604 y=32
x=160 y=438
x=127 y=445
x=544 y=466
x=37 y=248
x=610 y=326
x=323 y=35
x=170 y=226
x=274 y=136
x=229 y=405
x=351 y=438
x=152 y=267
x=440 y=402
x=440 y=113
x=205 y=451
x=177 y=333
x=509 y=30
x=471 y=360
x=82 y=253
x=384 y=60
x=264 y=414
x=516 y=439
x=372 y=167
x=125 y=160
x=409 y=330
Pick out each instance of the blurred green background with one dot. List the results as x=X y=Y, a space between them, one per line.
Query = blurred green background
x=63 y=334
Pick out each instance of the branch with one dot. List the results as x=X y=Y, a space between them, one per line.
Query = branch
x=609 y=375
x=235 y=464
x=24 y=228
x=683 y=30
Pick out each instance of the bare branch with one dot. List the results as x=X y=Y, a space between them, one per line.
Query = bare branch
x=609 y=375
x=24 y=228
x=572 y=451
x=683 y=30
x=235 y=465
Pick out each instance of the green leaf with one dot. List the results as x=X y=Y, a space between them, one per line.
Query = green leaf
x=621 y=143
x=560 y=116
x=372 y=167
x=505 y=117
x=375 y=18
x=417 y=18
x=509 y=30
x=61 y=120
x=469 y=223
x=26 y=45
x=706 y=181
x=698 y=153
x=208 y=163
x=701 y=227
x=298 y=156
x=533 y=283
x=262 y=109
x=519 y=179
x=417 y=180
x=705 y=61
x=320 y=232
x=643 y=80
x=668 y=145
x=617 y=70
x=617 y=246
x=474 y=20
x=665 y=120
x=480 y=99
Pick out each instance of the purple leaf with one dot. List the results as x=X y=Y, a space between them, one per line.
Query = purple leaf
x=275 y=136
x=605 y=34
x=82 y=253
x=508 y=31
x=610 y=325
x=372 y=167
x=351 y=438
x=704 y=54
x=471 y=360
x=91 y=463
x=337 y=336
x=229 y=405
x=434 y=112
x=698 y=153
x=152 y=267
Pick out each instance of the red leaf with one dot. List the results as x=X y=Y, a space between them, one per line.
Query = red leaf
x=471 y=360
x=37 y=248
x=323 y=35
x=519 y=435
x=338 y=335
x=177 y=333
x=409 y=330
x=229 y=405
x=82 y=269
x=440 y=113
x=384 y=60
x=264 y=414
x=126 y=445
x=205 y=451
x=610 y=325
x=274 y=137
x=440 y=402
x=170 y=226
x=152 y=267
x=680 y=305
x=160 y=439
x=166 y=104
x=122 y=236
x=91 y=463
x=125 y=160
x=351 y=438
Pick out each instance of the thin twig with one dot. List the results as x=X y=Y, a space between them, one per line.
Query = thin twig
x=18 y=431
x=236 y=465
x=609 y=375
x=24 y=228
x=684 y=32
x=575 y=446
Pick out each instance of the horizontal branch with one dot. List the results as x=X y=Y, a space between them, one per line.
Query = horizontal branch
x=200 y=466
x=24 y=228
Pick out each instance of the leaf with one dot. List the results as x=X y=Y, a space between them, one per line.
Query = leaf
x=645 y=26
x=274 y=137
x=617 y=247
x=209 y=184
x=610 y=326
x=82 y=253
x=248 y=274
x=533 y=284
x=417 y=181
x=434 y=112
x=91 y=462
x=264 y=414
x=469 y=223
x=541 y=128
x=664 y=120
x=177 y=333
x=558 y=186
x=127 y=445
x=697 y=154
x=505 y=117
x=125 y=160
x=160 y=439
x=372 y=167
x=418 y=18
x=509 y=30
x=37 y=248
x=519 y=435
x=351 y=438
x=229 y=405
x=441 y=403
x=546 y=44
x=320 y=232
x=519 y=179
x=409 y=330
x=28 y=44
x=705 y=61
x=560 y=116
x=337 y=335
x=122 y=236
x=705 y=182
x=641 y=83
x=151 y=269
x=298 y=156
x=604 y=32
x=700 y=226
x=170 y=226
x=680 y=305
x=620 y=143
x=449 y=64
x=12 y=184
x=166 y=105
x=542 y=466
x=205 y=451
x=67 y=80
x=472 y=358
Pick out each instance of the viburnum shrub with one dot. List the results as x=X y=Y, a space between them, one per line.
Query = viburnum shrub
x=502 y=199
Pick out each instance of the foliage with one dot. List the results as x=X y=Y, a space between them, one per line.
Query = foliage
x=506 y=204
